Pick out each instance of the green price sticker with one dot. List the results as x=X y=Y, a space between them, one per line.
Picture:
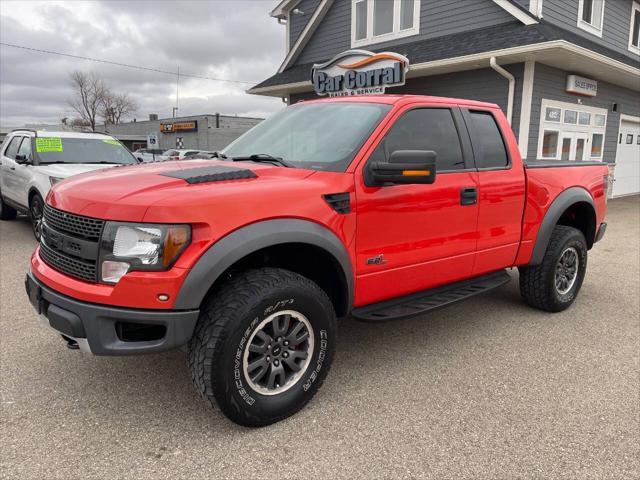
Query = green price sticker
x=112 y=142
x=48 y=144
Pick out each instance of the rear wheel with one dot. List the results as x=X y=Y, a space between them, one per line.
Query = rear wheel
x=554 y=284
x=36 y=210
x=6 y=212
x=263 y=345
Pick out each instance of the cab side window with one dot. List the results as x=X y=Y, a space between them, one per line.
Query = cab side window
x=12 y=150
x=488 y=145
x=424 y=129
x=25 y=148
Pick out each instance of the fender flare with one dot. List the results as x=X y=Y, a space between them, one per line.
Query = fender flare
x=561 y=203
x=251 y=238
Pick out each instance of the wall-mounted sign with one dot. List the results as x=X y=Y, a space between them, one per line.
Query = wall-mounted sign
x=179 y=127
x=152 y=140
x=359 y=72
x=582 y=85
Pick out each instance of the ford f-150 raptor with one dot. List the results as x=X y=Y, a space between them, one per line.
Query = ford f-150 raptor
x=378 y=207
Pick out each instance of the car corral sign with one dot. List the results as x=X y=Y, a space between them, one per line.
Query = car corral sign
x=359 y=72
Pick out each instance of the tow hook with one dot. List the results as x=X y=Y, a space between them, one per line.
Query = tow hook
x=71 y=344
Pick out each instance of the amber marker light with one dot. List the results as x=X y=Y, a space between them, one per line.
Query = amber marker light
x=176 y=239
x=416 y=173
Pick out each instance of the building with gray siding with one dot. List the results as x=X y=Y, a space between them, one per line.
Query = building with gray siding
x=209 y=132
x=574 y=65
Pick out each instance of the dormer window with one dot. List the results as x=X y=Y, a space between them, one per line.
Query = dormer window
x=634 y=33
x=591 y=15
x=375 y=21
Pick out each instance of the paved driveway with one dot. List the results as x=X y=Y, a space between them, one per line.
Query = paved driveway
x=484 y=389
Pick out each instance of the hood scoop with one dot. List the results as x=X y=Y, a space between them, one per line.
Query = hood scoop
x=214 y=173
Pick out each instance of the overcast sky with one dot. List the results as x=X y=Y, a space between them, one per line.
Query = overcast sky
x=229 y=39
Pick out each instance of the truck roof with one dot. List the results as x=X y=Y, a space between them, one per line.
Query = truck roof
x=393 y=99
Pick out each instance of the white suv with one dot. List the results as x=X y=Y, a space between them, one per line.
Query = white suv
x=32 y=161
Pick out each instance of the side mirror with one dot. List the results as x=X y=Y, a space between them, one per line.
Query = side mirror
x=404 y=167
x=21 y=159
x=140 y=160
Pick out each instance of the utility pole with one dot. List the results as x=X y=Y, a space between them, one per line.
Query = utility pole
x=175 y=109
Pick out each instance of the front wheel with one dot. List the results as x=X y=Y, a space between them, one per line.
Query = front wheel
x=36 y=210
x=263 y=345
x=554 y=284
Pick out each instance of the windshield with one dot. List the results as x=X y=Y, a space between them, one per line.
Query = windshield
x=82 y=150
x=318 y=136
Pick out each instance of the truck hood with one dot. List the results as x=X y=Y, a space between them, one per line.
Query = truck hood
x=126 y=192
x=64 y=170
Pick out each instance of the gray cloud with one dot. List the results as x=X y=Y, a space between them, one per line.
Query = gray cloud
x=224 y=39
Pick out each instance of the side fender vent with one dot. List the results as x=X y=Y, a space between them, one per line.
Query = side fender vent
x=215 y=173
x=340 y=202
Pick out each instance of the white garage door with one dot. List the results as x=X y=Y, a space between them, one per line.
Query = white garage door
x=627 y=172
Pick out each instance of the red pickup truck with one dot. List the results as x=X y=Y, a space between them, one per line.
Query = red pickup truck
x=380 y=207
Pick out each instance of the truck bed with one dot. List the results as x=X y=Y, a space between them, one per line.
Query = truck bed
x=546 y=179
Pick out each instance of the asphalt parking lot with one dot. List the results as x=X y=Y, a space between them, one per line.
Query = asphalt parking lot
x=484 y=389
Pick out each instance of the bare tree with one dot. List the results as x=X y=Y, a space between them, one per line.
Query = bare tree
x=107 y=107
x=116 y=107
x=88 y=94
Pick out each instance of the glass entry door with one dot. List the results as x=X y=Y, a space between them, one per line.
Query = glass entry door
x=573 y=146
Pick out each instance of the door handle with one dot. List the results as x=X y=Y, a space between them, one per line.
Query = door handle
x=12 y=168
x=468 y=196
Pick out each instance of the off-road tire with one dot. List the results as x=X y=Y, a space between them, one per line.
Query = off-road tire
x=537 y=283
x=6 y=212
x=229 y=315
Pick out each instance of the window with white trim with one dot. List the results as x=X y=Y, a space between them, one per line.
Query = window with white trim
x=634 y=28
x=571 y=131
x=375 y=21
x=591 y=15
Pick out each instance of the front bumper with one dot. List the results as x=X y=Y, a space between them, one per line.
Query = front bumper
x=106 y=330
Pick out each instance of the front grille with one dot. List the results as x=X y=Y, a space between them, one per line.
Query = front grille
x=70 y=243
x=84 y=270
x=84 y=227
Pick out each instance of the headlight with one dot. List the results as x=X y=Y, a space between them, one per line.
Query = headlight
x=139 y=246
x=54 y=180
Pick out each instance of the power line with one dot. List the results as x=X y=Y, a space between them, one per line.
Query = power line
x=109 y=62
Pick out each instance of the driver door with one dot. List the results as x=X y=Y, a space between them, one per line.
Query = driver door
x=414 y=237
x=24 y=162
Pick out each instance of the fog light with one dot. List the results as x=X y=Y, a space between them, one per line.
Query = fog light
x=112 y=272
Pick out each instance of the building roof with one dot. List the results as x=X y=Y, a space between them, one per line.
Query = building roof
x=498 y=37
x=186 y=118
x=282 y=9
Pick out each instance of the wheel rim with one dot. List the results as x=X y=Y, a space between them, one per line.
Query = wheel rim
x=278 y=352
x=36 y=216
x=567 y=270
